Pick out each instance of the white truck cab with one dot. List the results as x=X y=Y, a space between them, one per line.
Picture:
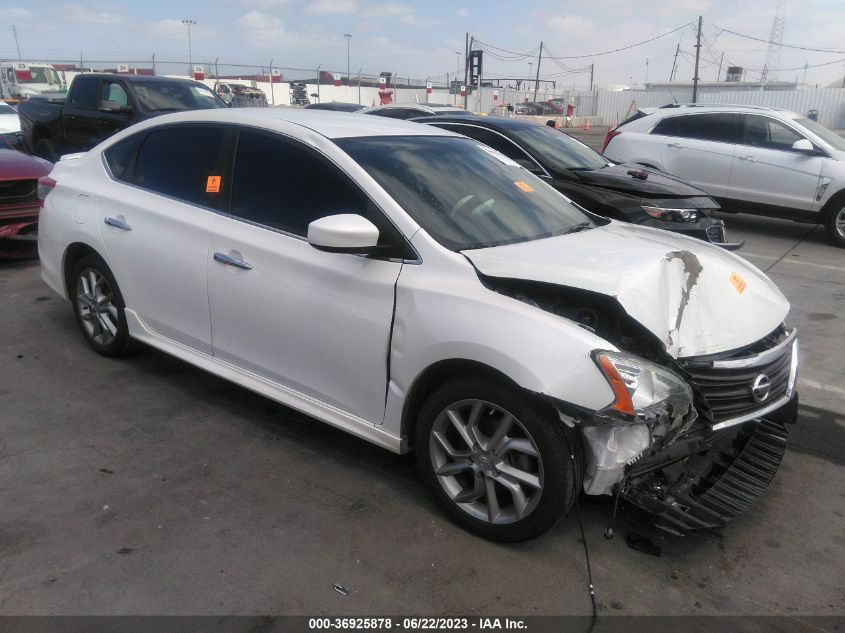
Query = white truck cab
x=21 y=80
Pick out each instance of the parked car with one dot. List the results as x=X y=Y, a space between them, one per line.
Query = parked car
x=413 y=110
x=100 y=104
x=10 y=126
x=464 y=308
x=335 y=106
x=19 y=203
x=619 y=191
x=751 y=159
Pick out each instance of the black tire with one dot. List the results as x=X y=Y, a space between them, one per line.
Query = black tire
x=45 y=149
x=833 y=221
x=543 y=428
x=118 y=343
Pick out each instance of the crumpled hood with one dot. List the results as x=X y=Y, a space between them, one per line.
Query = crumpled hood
x=696 y=298
x=657 y=184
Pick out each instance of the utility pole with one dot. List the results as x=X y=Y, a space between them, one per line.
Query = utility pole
x=719 y=72
x=697 y=55
x=348 y=37
x=646 y=70
x=154 y=65
x=189 y=24
x=804 y=78
x=457 y=74
x=537 y=80
x=359 y=84
x=592 y=68
x=674 y=63
x=17 y=44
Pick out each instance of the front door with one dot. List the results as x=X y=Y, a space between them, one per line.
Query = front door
x=316 y=322
x=768 y=171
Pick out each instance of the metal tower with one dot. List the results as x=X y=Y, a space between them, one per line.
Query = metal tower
x=770 y=69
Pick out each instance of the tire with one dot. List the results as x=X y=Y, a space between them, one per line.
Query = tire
x=531 y=491
x=99 y=308
x=45 y=149
x=834 y=221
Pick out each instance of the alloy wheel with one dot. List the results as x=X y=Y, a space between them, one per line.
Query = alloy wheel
x=839 y=223
x=97 y=310
x=486 y=461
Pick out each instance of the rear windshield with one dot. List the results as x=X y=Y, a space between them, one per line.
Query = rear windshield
x=166 y=96
x=464 y=194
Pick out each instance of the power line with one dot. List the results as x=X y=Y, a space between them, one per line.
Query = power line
x=801 y=48
x=625 y=48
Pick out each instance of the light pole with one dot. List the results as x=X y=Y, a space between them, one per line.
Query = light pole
x=348 y=37
x=457 y=76
x=189 y=24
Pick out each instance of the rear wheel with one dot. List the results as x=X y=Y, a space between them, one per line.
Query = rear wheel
x=99 y=307
x=498 y=464
x=835 y=223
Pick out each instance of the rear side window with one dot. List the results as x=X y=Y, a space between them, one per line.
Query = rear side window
x=489 y=138
x=120 y=155
x=186 y=163
x=280 y=184
x=717 y=126
x=84 y=93
x=761 y=131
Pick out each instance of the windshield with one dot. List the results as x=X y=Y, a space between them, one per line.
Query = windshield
x=161 y=96
x=828 y=136
x=559 y=149
x=463 y=193
x=38 y=75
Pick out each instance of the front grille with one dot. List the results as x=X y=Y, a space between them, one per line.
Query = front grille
x=18 y=192
x=724 y=388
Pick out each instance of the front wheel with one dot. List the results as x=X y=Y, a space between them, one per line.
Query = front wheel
x=835 y=224
x=99 y=307
x=499 y=464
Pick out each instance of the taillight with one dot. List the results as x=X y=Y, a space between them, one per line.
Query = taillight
x=45 y=186
x=607 y=137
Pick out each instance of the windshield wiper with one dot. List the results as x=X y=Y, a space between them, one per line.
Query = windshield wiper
x=578 y=227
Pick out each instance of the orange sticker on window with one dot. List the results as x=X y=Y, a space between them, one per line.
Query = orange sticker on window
x=212 y=185
x=524 y=186
x=738 y=283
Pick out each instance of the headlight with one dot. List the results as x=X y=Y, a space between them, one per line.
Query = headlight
x=669 y=214
x=643 y=389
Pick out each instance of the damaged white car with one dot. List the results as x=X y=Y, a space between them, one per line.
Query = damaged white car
x=421 y=291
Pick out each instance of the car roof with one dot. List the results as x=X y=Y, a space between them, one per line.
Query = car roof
x=328 y=123
x=138 y=79
x=492 y=122
x=397 y=106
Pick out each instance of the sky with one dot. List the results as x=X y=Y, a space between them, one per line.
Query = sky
x=421 y=39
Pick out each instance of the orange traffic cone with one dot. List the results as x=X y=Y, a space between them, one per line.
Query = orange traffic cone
x=557 y=123
x=580 y=122
x=587 y=127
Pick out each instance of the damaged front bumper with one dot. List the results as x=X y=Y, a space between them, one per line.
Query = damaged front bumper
x=710 y=477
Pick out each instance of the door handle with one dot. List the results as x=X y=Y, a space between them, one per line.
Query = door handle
x=223 y=258
x=674 y=145
x=118 y=224
x=750 y=159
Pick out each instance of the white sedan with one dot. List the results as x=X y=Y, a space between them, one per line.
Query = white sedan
x=420 y=290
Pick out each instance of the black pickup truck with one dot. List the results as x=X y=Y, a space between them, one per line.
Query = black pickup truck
x=98 y=105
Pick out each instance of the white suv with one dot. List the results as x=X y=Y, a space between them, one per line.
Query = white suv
x=751 y=159
x=418 y=289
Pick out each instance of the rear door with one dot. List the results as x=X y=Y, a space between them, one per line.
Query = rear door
x=699 y=148
x=80 y=113
x=768 y=171
x=314 y=321
x=155 y=218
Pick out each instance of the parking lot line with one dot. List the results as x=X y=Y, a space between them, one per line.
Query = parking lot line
x=814 y=384
x=793 y=261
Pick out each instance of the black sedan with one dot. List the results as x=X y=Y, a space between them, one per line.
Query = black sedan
x=622 y=192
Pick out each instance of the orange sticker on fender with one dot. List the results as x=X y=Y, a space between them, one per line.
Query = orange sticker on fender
x=212 y=185
x=524 y=186
x=738 y=283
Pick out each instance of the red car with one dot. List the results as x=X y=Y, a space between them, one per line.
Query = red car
x=19 y=204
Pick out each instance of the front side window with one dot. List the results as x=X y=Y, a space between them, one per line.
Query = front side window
x=282 y=185
x=477 y=198
x=85 y=92
x=186 y=163
x=761 y=131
